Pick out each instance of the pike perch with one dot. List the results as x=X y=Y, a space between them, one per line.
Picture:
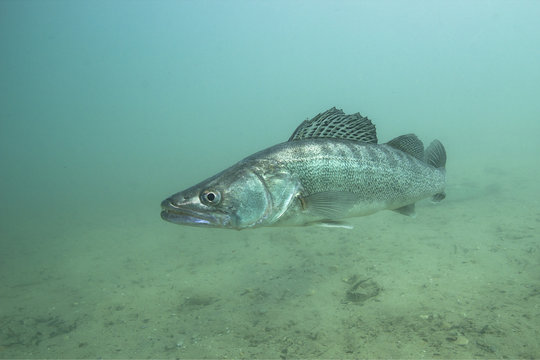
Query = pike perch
x=331 y=168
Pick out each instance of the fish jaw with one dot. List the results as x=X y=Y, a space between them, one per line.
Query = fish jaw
x=183 y=210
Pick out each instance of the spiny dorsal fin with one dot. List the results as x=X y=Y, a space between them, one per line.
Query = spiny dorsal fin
x=335 y=123
x=409 y=144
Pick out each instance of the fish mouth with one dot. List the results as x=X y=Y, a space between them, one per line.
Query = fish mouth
x=184 y=216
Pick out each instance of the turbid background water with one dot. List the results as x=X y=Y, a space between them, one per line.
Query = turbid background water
x=107 y=107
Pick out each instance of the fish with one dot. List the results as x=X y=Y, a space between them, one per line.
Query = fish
x=332 y=168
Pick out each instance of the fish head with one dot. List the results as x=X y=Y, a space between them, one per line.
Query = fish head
x=240 y=197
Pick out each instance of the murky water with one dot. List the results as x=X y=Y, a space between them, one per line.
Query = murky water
x=109 y=107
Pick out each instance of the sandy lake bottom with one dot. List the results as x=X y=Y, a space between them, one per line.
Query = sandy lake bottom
x=461 y=280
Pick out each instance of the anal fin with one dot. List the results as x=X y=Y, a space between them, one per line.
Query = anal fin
x=438 y=197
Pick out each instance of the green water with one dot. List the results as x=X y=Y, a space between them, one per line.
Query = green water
x=107 y=107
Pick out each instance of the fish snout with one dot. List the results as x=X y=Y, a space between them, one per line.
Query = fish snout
x=187 y=210
x=170 y=203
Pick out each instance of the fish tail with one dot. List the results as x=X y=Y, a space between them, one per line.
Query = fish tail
x=435 y=155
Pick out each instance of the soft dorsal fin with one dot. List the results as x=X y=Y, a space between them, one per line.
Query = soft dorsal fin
x=335 y=123
x=409 y=144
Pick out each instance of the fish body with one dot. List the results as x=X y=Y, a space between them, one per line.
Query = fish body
x=331 y=168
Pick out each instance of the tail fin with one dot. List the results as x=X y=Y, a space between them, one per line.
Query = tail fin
x=435 y=155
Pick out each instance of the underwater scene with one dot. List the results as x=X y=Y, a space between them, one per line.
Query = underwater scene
x=121 y=235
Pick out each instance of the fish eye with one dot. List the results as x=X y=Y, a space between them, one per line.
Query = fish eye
x=210 y=197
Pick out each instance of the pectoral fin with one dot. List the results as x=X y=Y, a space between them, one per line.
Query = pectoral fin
x=330 y=204
x=408 y=210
